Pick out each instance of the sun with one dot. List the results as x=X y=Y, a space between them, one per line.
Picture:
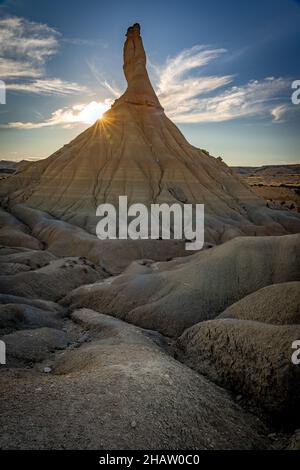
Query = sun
x=89 y=113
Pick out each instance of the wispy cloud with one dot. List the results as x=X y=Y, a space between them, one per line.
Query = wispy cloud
x=173 y=72
x=177 y=90
x=67 y=117
x=86 y=42
x=111 y=87
x=25 y=47
x=187 y=94
x=12 y=68
x=47 y=87
x=195 y=99
x=255 y=98
x=26 y=42
x=279 y=112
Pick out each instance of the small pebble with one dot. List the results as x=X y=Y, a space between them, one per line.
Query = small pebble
x=47 y=370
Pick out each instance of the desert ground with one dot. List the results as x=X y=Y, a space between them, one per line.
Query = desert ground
x=278 y=184
x=193 y=353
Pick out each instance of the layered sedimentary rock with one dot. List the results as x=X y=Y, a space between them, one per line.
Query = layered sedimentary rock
x=135 y=150
x=52 y=281
x=14 y=233
x=250 y=358
x=170 y=297
x=277 y=304
x=65 y=239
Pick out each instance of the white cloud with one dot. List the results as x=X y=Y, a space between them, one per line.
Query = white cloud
x=25 y=47
x=47 y=87
x=194 y=99
x=186 y=95
x=255 y=98
x=67 y=117
x=178 y=92
x=11 y=68
x=27 y=42
x=176 y=67
x=279 y=111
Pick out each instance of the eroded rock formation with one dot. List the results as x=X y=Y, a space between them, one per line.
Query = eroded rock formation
x=170 y=297
x=135 y=150
x=76 y=378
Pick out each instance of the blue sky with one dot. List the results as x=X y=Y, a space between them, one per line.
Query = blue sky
x=222 y=70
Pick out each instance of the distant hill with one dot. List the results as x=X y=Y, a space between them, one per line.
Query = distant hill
x=267 y=170
x=8 y=166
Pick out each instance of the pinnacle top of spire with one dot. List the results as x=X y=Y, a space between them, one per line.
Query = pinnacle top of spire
x=135 y=29
x=139 y=88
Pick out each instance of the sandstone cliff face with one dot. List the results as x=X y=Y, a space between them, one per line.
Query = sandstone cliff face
x=135 y=150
